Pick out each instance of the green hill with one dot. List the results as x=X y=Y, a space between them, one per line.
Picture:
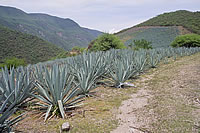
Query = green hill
x=24 y=46
x=65 y=33
x=159 y=36
x=187 y=19
x=162 y=30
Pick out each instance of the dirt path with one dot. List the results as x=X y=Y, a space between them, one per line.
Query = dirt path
x=166 y=100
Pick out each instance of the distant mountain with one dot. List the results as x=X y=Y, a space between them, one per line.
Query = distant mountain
x=65 y=33
x=24 y=46
x=162 y=29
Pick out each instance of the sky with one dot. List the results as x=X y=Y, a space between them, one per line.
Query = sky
x=104 y=15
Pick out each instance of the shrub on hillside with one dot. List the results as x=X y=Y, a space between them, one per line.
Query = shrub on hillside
x=188 y=40
x=13 y=62
x=140 y=44
x=78 y=49
x=106 y=42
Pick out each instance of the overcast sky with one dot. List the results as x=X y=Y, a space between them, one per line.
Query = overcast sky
x=104 y=15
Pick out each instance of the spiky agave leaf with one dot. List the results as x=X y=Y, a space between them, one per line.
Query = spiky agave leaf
x=154 y=58
x=140 y=59
x=57 y=91
x=6 y=122
x=15 y=84
x=123 y=68
x=88 y=68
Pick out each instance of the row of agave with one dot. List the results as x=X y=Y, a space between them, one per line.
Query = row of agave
x=63 y=84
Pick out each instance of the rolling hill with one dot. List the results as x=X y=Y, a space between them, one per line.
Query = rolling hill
x=65 y=33
x=162 y=29
x=24 y=46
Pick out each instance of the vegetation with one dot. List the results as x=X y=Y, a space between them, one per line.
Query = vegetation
x=78 y=49
x=56 y=91
x=15 y=88
x=159 y=36
x=88 y=69
x=6 y=122
x=140 y=44
x=13 y=62
x=75 y=51
x=187 y=19
x=62 y=84
x=162 y=29
x=106 y=42
x=65 y=33
x=188 y=40
x=61 y=55
x=23 y=46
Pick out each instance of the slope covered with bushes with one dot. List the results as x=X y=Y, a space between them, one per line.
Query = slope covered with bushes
x=187 y=19
x=162 y=29
x=65 y=33
x=188 y=40
x=23 y=46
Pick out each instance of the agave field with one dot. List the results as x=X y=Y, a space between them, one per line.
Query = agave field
x=159 y=36
x=63 y=84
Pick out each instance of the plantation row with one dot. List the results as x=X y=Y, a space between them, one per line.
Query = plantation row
x=63 y=84
x=160 y=37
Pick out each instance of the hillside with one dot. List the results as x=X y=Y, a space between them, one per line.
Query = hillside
x=187 y=19
x=162 y=30
x=159 y=36
x=63 y=32
x=24 y=46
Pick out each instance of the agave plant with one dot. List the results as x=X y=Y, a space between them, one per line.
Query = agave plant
x=6 y=122
x=154 y=58
x=56 y=93
x=88 y=69
x=15 y=87
x=123 y=68
x=140 y=58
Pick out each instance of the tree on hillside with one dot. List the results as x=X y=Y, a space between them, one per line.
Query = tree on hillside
x=13 y=62
x=140 y=44
x=188 y=40
x=106 y=42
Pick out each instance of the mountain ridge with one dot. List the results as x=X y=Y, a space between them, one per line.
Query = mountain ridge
x=63 y=32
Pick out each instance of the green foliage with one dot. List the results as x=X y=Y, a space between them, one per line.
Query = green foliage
x=61 y=55
x=55 y=89
x=6 y=122
x=106 y=42
x=78 y=49
x=15 y=86
x=140 y=44
x=88 y=68
x=65 y=33
x=123 y=68
x=14 y=62
x=188 y=40
x=23 y=46
x=187 y=19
